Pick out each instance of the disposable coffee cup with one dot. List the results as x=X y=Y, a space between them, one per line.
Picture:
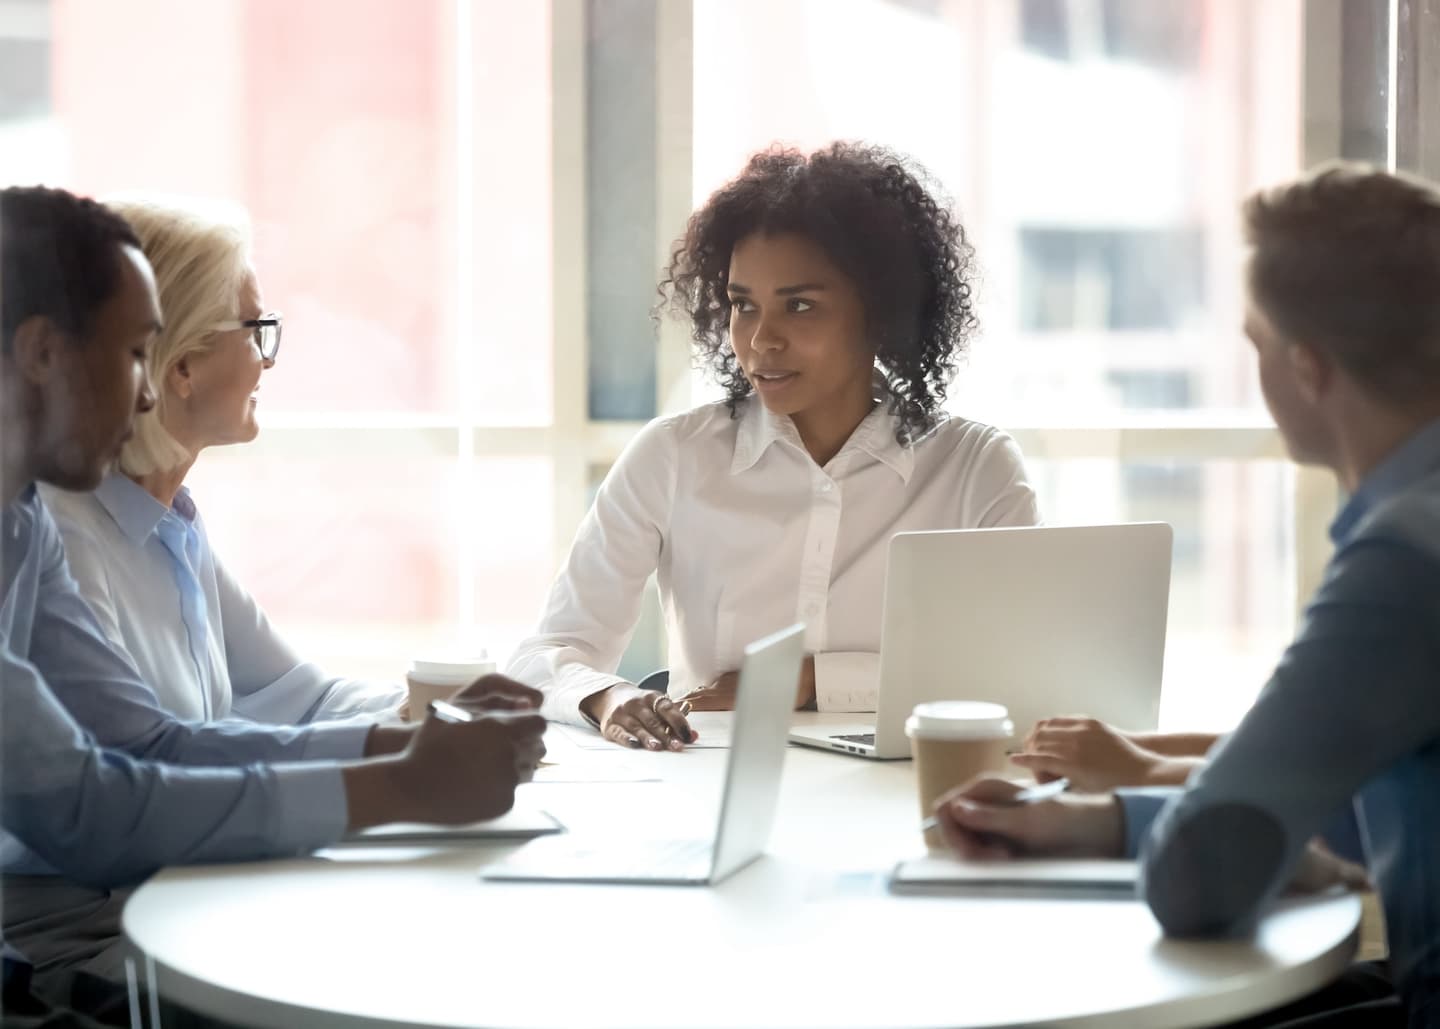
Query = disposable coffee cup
x=952 y=742
x=438 y=678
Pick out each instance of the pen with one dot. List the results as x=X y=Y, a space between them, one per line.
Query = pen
x=448 y=712
x=684 y=708
x=1029 y=795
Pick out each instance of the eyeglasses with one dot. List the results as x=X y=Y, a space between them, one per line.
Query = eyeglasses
x=266 y=332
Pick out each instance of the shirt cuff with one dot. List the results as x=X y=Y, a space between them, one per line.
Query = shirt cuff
x=847 y=680
x=312 y=810
x=343 y=741
x=565 y=693
x=1140 y=807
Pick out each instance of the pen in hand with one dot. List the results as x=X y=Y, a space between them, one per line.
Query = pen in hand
x=1029 y=795
x=448 y=712
x=684 y=708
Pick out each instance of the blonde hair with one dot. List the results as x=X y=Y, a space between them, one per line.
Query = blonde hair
x=200 y=251
x=1347 y=259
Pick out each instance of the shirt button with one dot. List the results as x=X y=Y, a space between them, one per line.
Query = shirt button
x=826 y=486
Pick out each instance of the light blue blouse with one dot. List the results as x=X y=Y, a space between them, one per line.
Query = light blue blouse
x=198 y=638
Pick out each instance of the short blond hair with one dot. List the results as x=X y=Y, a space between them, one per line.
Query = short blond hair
x=1347 y=259
x=200 y=251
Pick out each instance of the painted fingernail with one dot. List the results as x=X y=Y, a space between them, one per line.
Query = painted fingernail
x=633 y=742
x=653 y=744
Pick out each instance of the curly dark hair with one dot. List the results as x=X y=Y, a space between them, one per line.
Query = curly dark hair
x=877 y=217
x=60 y=258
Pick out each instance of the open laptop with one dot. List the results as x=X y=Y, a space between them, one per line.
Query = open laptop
x=763 y=703
x=1048 y=621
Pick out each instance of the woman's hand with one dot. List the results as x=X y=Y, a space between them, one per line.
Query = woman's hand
x=1095 y=757
x=715 y=696
x=637 y=718
x=720 y=694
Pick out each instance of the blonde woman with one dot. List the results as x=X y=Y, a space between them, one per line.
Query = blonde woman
x=137 y=546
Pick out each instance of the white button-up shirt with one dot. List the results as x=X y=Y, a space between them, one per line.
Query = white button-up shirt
x=747 y=535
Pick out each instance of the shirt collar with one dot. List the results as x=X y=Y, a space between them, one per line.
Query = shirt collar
x=136 y=511
x=757 y=430
x=19 y=513
x=875 y=435
x=1417 y=457
x=25 y=498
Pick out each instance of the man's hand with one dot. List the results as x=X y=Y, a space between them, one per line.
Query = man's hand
x=979 y=821
x=636 y=718
x=720 y=694
x=1096 y=757
x=452 y=772
x=495 y=693
x=1319 y=870
x=487 y=693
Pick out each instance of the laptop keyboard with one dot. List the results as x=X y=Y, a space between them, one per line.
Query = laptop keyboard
x=867 y=738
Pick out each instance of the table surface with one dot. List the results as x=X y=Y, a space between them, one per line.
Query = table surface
x=806 y=936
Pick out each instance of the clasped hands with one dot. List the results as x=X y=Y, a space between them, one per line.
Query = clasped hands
x=980 y=822
x=638 y=718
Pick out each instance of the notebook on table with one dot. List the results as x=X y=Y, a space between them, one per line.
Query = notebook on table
x=519 y=823
x=1025 y=877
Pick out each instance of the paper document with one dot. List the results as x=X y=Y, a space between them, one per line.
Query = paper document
x=521 y=822
x=713 y=727
x=593 y=771
x=605 y=859
x=1024 y=877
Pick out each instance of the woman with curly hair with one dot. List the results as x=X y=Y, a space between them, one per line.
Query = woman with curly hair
x=829 y=294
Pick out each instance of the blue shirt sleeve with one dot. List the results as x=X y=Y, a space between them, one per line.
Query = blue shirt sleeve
x=1354 y=694
x=99 y=687
x=1140 y=806
x=270 y=681
x=103 y=818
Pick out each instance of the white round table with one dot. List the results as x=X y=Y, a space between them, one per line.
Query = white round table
x=808 y=936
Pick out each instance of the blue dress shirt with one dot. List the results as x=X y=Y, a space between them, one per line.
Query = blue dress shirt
x=91 y=784
x=1351 y=714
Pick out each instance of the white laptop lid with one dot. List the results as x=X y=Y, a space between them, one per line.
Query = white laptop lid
x=765 y=698
x=1052 y=620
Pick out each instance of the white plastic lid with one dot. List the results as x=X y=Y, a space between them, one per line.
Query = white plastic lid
x=960 y=720
x=446 y=671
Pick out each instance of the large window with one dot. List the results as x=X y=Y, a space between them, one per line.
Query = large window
x=396 y=162
x=462 y=208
